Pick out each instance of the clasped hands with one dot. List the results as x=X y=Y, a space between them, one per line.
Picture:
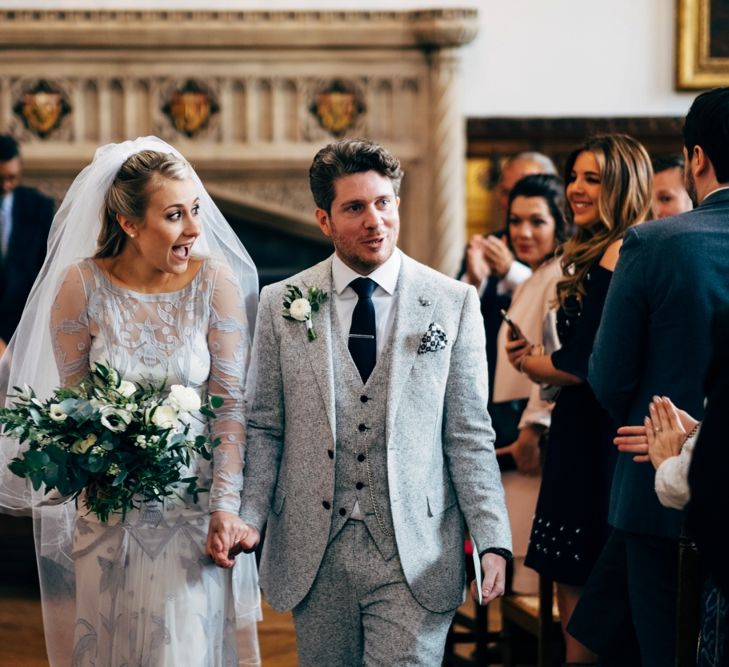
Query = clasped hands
x=487 y=255
x=660 y=437
x=229 y=535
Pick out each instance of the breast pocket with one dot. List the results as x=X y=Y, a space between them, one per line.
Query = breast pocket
x=440 y=500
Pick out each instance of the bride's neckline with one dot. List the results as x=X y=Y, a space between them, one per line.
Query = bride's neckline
x=111 y=283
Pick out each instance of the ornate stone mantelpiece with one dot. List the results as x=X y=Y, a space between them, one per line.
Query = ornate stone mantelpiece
x=248 y=97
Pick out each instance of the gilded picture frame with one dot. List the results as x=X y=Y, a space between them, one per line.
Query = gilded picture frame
x=702 y=53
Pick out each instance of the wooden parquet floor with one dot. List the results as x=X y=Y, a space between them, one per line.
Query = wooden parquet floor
x=22 y=644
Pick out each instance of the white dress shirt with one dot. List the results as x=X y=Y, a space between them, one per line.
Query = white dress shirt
x=383 y=298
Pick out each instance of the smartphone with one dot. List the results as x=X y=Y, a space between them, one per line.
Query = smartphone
x=514 y=330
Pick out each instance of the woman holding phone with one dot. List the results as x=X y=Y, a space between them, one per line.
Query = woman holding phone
x=535 y=227
x=609 y=182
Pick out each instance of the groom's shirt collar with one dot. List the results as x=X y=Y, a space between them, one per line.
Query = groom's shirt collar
x=385 y=275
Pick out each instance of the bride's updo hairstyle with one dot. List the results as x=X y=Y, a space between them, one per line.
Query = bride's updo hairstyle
x=130 y=192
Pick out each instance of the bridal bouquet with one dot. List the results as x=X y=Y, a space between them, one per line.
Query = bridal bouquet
x=122 y=443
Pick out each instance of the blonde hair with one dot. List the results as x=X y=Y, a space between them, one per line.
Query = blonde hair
x=626 y=178
x=130 y=192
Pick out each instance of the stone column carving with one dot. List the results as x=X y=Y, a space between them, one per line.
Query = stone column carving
x=446 y=156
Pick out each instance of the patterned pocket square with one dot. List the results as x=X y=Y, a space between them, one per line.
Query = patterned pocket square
x=434 y=339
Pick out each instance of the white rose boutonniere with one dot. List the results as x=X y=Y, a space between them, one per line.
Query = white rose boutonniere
x=300 y=307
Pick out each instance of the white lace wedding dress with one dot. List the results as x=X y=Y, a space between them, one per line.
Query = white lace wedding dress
x=146 y=592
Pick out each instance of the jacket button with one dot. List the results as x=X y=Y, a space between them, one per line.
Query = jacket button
x=362 y=428
x=364 y=398
x=330 y=453
x=359 y=486
x=360 y=457
x=342 y=511
x=326 y=504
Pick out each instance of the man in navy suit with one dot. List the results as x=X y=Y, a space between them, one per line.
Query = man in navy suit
x=25 y=218
x=654 y=339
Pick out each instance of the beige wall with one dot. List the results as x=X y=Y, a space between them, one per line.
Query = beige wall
x=531 y=57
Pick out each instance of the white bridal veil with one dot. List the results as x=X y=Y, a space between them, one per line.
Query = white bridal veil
x=29 y=360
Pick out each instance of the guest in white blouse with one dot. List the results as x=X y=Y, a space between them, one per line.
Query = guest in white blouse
x=535 y=228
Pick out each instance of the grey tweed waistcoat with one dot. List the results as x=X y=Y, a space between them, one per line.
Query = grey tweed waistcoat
x=361 y=412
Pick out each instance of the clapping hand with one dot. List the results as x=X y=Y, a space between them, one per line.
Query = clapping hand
x=477 y=268
x=664 y=431
x=497 y=255
x=635 y=439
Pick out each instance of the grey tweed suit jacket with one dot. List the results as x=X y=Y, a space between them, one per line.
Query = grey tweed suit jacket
x=441 y=465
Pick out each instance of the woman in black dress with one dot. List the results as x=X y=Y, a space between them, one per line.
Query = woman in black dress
x=608 y=190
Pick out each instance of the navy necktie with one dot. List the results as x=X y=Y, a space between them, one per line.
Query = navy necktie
x=363 y=334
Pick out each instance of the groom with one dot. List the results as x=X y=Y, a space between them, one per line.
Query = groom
x=370 y=446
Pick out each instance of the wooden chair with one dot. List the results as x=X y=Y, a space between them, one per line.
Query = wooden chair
x=536 y=616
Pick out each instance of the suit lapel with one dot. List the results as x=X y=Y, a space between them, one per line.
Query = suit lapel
x=416 y=301
x=320 y=350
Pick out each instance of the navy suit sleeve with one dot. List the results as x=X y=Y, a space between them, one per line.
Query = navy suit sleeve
x=618 y=356
x=709 y=505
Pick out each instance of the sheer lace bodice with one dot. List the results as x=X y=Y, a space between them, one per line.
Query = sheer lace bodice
x=196 y=336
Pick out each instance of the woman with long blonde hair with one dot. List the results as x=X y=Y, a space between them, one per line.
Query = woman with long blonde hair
x=609 y=182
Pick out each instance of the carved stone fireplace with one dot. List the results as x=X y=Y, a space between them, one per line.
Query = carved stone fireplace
x=248 y=98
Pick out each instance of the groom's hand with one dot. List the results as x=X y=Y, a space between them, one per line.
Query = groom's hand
x=247 y=543
x=225 y=531
x=494 y=578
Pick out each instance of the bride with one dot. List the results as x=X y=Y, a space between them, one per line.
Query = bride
x=167 y=296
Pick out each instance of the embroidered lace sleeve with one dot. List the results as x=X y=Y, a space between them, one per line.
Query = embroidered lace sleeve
x=70 y=328
x=229 y=350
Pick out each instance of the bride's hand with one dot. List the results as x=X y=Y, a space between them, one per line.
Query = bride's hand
x=225 y=532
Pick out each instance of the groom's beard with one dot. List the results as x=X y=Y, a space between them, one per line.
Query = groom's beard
x=690 y=185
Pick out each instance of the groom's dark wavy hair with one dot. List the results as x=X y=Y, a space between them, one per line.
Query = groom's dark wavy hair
x=345 y=157
x=707 y=125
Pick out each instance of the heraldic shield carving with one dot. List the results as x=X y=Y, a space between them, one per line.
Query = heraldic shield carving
x=42 y=108
x=190 y=108
x=337 y=108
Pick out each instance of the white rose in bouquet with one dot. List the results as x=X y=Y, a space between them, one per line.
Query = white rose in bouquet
x=184 y=398
x=165 y=416
x=300 y=309
x=126 y=388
